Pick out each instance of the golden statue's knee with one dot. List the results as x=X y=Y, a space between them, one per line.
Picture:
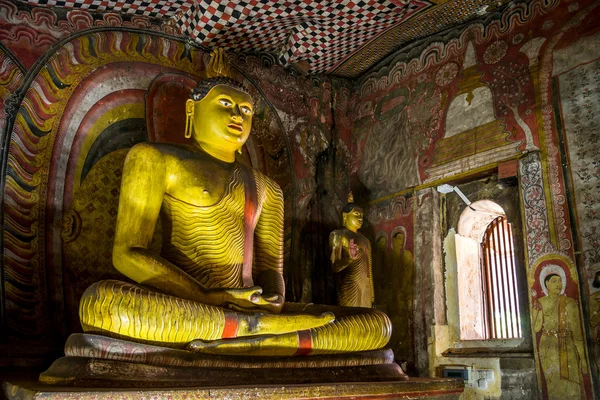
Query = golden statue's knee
x=95 y=304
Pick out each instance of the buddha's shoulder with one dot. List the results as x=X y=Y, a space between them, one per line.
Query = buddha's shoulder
x=172 y=155
x=165 y=149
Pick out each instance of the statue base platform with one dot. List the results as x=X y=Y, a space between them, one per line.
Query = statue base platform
x=422 y=388
x=99 y=361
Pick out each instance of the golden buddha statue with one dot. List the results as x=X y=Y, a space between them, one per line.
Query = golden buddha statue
x=351 y=259
x=217 y=285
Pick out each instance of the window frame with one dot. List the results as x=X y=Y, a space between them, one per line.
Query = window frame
x=506 y=196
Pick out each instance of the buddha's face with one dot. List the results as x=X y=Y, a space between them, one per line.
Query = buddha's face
x=353 y=220
x=399 y=241
x=222 y=119
x=554 y=284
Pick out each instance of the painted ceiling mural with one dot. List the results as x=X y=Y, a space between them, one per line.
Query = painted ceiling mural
x=341 y=37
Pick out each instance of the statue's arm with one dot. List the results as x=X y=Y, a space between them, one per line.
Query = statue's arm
x=268 y=247
x=340 y=256
x=537 y=315
x=142 y=189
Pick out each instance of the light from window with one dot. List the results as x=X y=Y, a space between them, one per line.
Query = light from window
x=487 y=282
x=500 y=282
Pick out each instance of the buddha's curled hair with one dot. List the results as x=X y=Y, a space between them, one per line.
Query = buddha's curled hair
x=349 y=207
x=205 y=85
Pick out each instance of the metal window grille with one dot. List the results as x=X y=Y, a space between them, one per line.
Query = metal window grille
x=503 y=317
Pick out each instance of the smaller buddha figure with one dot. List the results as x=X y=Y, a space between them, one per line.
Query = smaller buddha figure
x=351 y=259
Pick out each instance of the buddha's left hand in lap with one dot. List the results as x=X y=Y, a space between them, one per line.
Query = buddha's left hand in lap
x=271 y=303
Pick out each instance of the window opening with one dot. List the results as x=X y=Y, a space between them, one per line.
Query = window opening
x=487 y=277
x=503 y=317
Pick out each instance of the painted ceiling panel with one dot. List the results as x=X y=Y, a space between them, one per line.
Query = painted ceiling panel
x=343 y=37
x=322 y=33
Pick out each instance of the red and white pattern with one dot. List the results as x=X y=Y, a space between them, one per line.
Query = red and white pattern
x=324 y=33
x=148 y=8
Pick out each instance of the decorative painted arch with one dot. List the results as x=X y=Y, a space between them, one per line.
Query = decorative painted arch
x=84 y=101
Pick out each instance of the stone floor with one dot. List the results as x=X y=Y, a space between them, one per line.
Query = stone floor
x=415 y=388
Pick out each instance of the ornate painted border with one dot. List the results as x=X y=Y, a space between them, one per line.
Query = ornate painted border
x=44 y=95
x=436 y=50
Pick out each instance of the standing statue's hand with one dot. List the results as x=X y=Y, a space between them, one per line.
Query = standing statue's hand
x=352 y=249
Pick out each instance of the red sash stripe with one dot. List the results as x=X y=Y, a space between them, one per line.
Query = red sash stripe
x=304 y=343
x=231 y=326
x=250 y=205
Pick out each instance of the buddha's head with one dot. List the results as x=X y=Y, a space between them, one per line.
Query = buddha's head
x=381 y=243
x=352 y=215
x=219 y=115
x=399 y=240
x=553 y=283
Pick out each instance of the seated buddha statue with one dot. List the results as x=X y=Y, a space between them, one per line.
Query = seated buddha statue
x=216 y=286
x=351 y=259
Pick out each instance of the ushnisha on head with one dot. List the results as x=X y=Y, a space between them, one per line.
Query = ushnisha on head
x=219 y=114
x=352 y=215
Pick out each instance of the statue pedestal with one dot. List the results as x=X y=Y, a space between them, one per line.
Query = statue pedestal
x=100 y=361
x=93 y=372
x=99 y=367
x=426 y=388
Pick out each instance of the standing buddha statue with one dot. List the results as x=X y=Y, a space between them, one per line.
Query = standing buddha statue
x=351 y=259
x=217 y=285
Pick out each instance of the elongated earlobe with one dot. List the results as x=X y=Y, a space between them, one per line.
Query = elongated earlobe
x=189 y=118
x=188 y=126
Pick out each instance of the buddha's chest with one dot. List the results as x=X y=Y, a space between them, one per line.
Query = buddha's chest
x=202 y=184
x=192 y=210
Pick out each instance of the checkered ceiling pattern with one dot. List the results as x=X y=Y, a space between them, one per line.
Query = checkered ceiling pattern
x=148 y=8
x=322 y=33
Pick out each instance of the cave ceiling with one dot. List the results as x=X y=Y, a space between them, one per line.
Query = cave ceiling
x=342 y=37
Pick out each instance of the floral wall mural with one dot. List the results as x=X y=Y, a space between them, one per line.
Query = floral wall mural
x=520 y=84
x=575 y=85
